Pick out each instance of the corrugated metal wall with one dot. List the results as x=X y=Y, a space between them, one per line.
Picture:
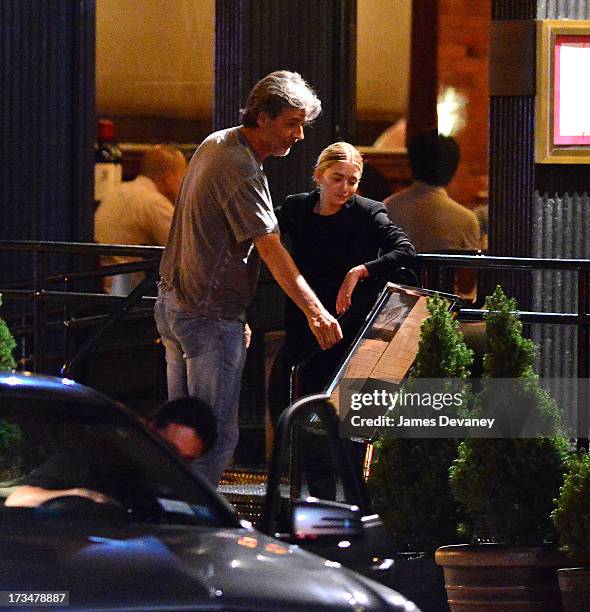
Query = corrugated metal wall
x=316 y=39
x=253 y=38
x=511 y=170
x=47 y=117
x=563 y=9
x=511 y=183
x=560 y=229
x=538 y=210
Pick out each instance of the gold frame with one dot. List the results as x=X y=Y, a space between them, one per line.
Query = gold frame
x=546 y=152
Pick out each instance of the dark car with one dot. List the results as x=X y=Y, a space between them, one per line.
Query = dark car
x=165 y=541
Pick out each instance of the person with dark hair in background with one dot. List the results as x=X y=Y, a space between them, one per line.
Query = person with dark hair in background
x=209 y=268
x=433 y=221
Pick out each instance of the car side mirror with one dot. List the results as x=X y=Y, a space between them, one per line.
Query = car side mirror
x=313 y=519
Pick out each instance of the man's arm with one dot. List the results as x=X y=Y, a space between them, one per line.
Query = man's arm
x=323 y=325
x=160 y=218
x=472 y=234
x=30 y=497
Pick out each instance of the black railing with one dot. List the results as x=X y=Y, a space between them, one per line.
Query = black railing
x=581 y=318
x=37 y=290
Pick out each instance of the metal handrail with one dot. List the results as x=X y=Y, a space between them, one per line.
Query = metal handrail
x=128 y=303
x=40 y=296
x=80 y=248
x=482 y=261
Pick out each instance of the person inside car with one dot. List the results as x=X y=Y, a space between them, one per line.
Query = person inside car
x=187 y=424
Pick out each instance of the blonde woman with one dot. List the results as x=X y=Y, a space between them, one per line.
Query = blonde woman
x=345 y=246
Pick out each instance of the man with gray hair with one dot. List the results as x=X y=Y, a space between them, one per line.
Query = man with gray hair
x=210 y=266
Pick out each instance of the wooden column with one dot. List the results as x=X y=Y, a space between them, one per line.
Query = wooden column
x=423 y=67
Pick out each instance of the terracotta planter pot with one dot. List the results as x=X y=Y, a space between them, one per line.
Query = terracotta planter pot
x=491 y=577
x=574 y=584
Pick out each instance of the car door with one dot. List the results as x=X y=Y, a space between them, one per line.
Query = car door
x=316 y=496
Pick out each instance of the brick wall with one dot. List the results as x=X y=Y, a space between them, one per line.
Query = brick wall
x=463 y=54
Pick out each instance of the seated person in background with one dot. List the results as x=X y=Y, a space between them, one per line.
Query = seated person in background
x=187 y=424
x=433 y=221
x=140 y=211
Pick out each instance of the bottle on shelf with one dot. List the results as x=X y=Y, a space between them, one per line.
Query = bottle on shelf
x=108 y=170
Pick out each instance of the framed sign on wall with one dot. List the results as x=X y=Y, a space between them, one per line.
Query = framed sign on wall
x=562 y=127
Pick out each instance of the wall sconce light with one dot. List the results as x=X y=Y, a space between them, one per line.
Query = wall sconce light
x=450 y=109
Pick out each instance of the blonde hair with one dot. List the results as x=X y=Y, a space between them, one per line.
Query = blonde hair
x=338 y=152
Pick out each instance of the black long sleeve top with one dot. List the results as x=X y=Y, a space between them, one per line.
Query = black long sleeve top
x=326 y=247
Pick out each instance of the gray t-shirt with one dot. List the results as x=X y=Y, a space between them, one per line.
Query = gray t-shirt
x=224 y=203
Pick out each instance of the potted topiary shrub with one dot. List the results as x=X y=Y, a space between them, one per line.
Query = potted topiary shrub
x=505 y=486
x=7 y=345
x=409 y=480
x=11 y=439
x=571 y=518
x=10 y=434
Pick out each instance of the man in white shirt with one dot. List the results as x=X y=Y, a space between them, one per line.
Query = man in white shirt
x=140 y=211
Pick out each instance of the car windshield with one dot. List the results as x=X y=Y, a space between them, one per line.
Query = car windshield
x=103 y=461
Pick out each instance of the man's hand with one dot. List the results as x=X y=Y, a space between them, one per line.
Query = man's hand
x=325 y=328
x=96 y=496
x=247 y=335
x=343 y=300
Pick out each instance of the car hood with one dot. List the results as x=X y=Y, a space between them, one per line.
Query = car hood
x=106 y=566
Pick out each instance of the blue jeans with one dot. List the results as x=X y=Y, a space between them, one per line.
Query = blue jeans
x=204 y=358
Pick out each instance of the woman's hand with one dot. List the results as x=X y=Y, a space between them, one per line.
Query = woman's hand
x=349 y=283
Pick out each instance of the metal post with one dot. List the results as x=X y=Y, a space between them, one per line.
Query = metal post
x=39 y=335
x=583 y=358
x=66 y=322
